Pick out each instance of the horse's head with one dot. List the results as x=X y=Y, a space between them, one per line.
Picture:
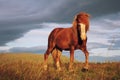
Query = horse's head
x=81 y=22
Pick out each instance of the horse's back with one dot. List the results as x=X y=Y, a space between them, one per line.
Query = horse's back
x=54 y=33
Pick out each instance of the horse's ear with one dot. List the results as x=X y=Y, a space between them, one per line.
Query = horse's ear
x=88 y=15
x=75 y=21
x=88 y=22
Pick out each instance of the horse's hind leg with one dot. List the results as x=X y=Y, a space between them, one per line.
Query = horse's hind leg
x=45 y=58
x=56 y=56
x=49 y=50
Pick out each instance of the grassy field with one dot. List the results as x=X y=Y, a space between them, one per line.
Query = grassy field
x=28 y=66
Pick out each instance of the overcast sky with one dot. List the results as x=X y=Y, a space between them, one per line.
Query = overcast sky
x=26 y=24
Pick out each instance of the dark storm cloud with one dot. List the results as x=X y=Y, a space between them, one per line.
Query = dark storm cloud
x=12 y=32
x=60 y=11
x=96 y=8
x=104 y=7
x=19 y=16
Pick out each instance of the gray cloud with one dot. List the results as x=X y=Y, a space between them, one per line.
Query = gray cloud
x=19 y=16
x=12 y=32
x=94 y=8
x=38 y=49
x=104 y=7
x=22 y=11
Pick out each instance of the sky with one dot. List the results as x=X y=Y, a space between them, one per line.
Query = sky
x=26 y=24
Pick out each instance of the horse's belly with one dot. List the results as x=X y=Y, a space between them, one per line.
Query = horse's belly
x=63 y=45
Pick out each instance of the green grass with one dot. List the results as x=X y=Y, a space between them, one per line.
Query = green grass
x=28 y=66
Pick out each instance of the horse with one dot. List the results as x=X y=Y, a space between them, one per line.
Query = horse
x=70 y=39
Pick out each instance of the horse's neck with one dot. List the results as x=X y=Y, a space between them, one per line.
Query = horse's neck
x=74 y=29
x=77 y=35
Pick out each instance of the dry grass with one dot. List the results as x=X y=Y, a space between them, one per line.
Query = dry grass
x=30 y=67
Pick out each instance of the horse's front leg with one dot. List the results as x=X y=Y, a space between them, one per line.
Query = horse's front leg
x=71 y=58
x=86 y=59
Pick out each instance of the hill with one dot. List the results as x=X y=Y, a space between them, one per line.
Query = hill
x=28 y=66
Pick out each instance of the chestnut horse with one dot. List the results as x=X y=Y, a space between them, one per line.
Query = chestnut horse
x=71 y=38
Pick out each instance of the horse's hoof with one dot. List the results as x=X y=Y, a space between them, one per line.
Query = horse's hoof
x=70 y=69
x=84 y=69
x=45 y=67
x=59 y=70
